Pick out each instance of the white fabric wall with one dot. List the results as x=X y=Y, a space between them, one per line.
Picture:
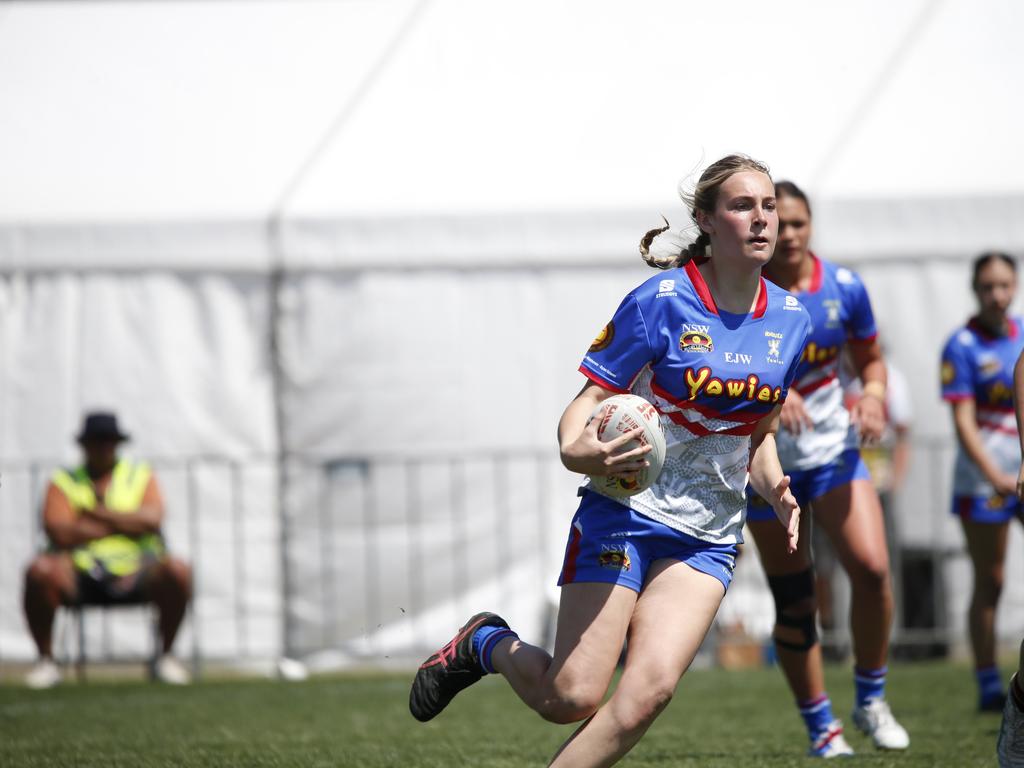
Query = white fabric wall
x=423 y=339
x=182 y=357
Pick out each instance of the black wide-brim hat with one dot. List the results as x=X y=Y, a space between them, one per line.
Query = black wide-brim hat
x=100 y=425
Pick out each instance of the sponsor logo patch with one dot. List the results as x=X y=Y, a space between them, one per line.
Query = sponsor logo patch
x=948 y=372
x=696 y=341
x=832 y=309
x=604 y=338
x=614 y=556
x=990 y=366
x=774 y=345
x=996 y=502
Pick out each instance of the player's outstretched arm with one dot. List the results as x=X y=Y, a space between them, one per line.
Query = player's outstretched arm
x=768 y=480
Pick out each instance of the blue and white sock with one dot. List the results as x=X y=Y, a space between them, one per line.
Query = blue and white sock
x=817 y=715
x=870 y=684
x=485 y=640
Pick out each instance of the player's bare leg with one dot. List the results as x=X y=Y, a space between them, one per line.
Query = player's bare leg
x=851 y=516
x=986 y=544
x=677 y=602
x=802 y=668
x=795 y=634
x=593 y=619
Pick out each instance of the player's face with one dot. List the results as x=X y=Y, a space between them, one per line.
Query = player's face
x=995 y=288
x=745 y=223
x=794 y=230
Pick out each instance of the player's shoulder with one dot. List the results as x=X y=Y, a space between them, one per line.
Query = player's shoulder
x=786 y=305
x=844 y=277
x=664 y=289
x=662 y=284
x=962 y=338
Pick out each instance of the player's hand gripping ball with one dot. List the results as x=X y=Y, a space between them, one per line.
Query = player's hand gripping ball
x=620 y=414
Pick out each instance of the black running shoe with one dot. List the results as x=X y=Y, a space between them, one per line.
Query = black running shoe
x=448 y=671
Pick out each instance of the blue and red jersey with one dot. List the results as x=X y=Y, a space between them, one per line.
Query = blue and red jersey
x=712 y=375
x=979 y=366
x=840 y=312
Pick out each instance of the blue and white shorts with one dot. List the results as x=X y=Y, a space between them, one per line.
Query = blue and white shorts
x=613 y=544
x=992 y=509
x=808 y=484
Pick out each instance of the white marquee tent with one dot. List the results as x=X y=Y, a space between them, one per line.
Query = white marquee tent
x=278 y=235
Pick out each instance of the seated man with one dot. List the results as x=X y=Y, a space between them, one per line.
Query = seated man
x=103 y=521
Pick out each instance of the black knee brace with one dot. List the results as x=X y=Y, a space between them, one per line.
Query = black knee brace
x=789 y=591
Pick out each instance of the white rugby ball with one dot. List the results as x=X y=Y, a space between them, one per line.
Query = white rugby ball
x=620 y=414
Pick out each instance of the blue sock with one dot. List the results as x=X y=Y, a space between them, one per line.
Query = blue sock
x=485 y=640
x=990 y=684
x=817 y=715
x=870 y=684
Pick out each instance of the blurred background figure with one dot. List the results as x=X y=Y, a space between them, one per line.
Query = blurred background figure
x=103 y=521
x=977 y=382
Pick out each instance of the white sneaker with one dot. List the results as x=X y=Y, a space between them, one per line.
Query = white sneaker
x=831 y=743
x=1010 y=745
x=169 y=670
x=876 y=720
x=45 y=674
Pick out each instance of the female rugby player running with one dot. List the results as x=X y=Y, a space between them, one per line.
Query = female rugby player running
x=714 y=347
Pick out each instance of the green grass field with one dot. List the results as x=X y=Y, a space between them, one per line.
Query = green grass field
x=718 y=718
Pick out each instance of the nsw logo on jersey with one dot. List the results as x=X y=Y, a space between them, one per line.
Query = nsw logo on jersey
x=696 y=338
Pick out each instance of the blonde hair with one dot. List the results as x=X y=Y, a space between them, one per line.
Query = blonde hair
x=703 y=197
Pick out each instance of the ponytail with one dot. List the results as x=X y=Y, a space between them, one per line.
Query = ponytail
x=662 y=249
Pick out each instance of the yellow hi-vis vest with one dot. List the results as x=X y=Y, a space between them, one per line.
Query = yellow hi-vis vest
x=117 y=554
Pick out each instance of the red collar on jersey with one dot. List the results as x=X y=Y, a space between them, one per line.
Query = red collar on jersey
x=705 y=293
x=816 y=276
x=1011 y=329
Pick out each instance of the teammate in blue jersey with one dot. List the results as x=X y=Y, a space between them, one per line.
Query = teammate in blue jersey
x=714 y=347
x=818 y=447
x=977 y=382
